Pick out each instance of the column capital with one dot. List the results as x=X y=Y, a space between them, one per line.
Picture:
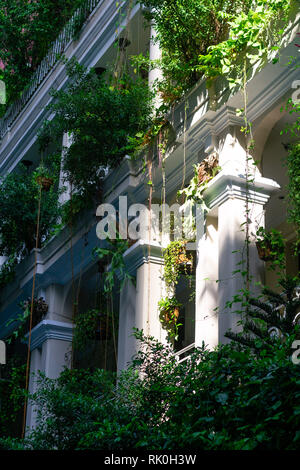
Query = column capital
x=49 y=329
x=142 y=252
x=233 y=185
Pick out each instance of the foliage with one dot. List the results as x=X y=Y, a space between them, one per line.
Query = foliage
x=26 y=32
x=67 y=407
x=254 y=36
x=226 y=399
x=176 y=261
x=102 y=115
x=272 y=243
x=272 y=315
x=12 y=390
x=90 y=325
x=186 y=29
x=169 y=313
x=22 y=320
x=293 y=164
x=19 y=194
x=112 y=254
x=7 y=272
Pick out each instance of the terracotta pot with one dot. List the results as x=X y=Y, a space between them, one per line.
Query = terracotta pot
x=171 y=317
x=185 y=263
x=45 y=182
x=206 y=168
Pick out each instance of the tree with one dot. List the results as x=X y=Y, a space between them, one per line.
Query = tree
x=27 y=29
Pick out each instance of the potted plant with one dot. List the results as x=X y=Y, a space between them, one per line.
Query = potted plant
x=43 y=177
x=177 y=261
x=39 y=311
x=270 y=244
x=208 y=168
x=91 y=325
x=169 y=311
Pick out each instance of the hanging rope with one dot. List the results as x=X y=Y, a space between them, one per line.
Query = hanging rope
x=31 y=311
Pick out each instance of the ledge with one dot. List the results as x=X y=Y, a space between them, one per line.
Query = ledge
x=141 y=252
x=227 y=185
x=49 y=329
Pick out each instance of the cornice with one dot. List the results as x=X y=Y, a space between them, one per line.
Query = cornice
x=227 y=185
x=49 y=329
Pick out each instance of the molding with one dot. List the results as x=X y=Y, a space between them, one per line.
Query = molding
x=49 y=329
x=234 y=186
x=140 y=253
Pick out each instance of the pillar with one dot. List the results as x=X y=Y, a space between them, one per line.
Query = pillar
x=139 y=305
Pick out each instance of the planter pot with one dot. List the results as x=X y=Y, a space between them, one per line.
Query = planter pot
x=45 y=182
x=264 y=251
x=171 y=317
x=40 y=308
x=207 y=168
x=185 y=262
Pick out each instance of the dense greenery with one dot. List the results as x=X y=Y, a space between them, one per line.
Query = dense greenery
x=104 y=116
x=273 y=314
x=205 y=38
x=229 y=398
x=12 y=393
x=19 y=194
x=186 y=29
x=293 y=162
x=27 y=29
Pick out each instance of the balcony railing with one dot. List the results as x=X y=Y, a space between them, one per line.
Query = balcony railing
x=67 y=34
x=184 y=353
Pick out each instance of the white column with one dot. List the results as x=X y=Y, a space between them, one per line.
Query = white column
x=206 y=286
x=226 y=196
x=51 y=343
x=126 y=342
x=154 y=54
x=139 y=305
x=65 y=196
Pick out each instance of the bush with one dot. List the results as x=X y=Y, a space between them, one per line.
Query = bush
x=19 y=195
x=225 y=399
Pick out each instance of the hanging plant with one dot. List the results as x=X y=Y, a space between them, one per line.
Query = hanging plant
x=19 y=196
x=43 y=178
x=169 y=314
x=177 y=261
x=270 y=245
x=208 y=169
x=39 y=310
x=93 y=325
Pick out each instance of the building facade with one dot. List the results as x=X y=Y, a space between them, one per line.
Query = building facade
x=202 y=128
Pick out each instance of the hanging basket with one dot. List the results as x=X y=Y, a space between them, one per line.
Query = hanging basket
x=171 y=316
x=39 y=311
x=264 y=250
x=185 y=262
x=45 y=182
x=208 y=168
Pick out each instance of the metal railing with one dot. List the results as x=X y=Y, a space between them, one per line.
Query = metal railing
x=185 y=352
x=57 y=48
